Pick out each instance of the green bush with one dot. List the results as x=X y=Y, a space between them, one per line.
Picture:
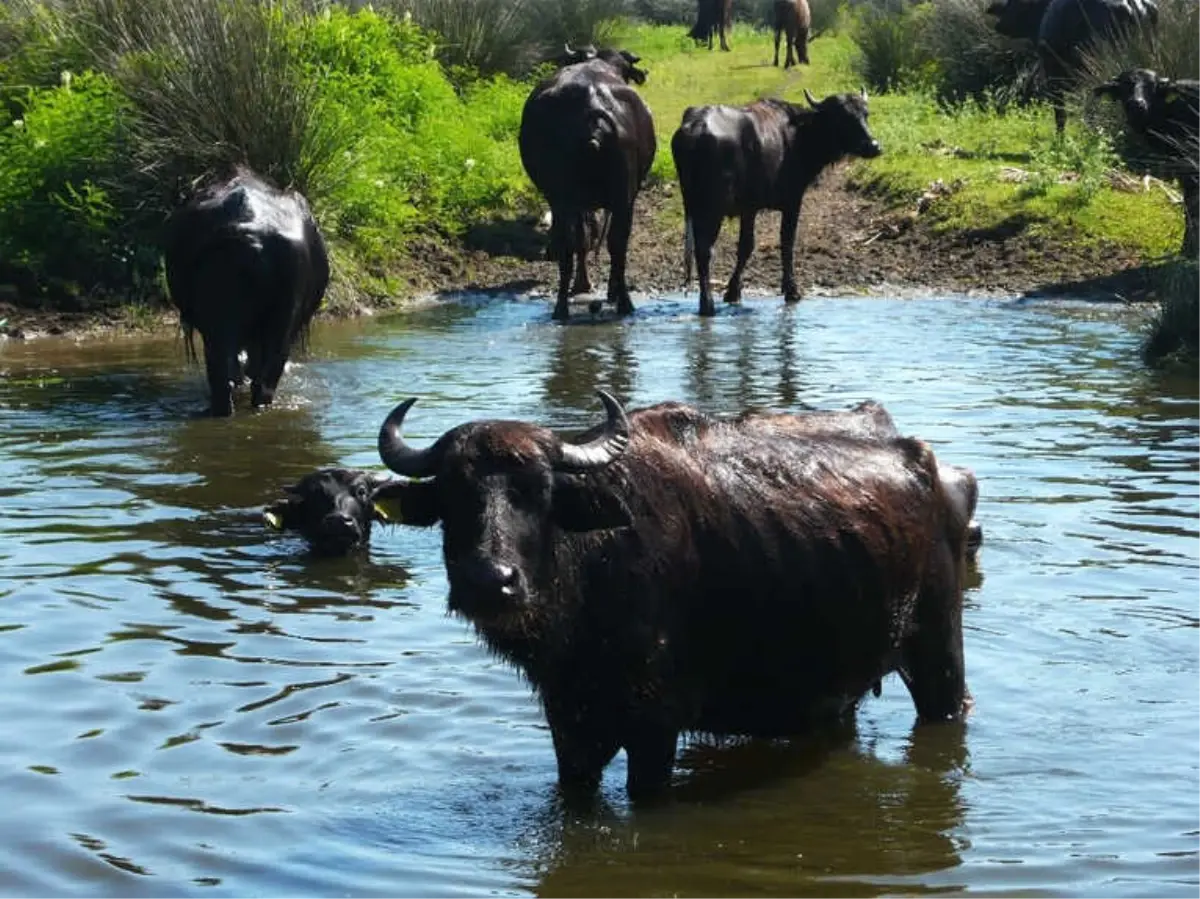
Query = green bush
x=59 y=214
x=891 y=52
x=972 y=61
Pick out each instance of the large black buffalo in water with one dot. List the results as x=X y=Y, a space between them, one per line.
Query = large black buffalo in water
x=740 y=160
x=247 y=267
x=587 y=142
x=670 y=573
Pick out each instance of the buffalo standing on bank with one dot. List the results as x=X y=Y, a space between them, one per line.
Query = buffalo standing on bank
x=1166 y=113
x=587 y=142
x=736 y=161
x=792 y=22
x=712 y=17
x=667 y=573
x=1065 y=30
x=247 y=268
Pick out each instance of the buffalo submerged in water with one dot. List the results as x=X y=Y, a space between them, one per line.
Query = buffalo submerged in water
x=247 y=268
x=670 y=573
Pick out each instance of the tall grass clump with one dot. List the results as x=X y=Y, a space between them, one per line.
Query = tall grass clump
x=1174 y=334
x=971 y=60
x=510 y=36
x=891 y=54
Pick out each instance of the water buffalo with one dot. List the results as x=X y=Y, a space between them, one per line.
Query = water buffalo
x=587 y=141
x=1166 y=113
x=669 y=573
x=739 y=160
x=712 y=17
x=1064 y=31
x=792 y=20
x=871 y=421
x=246 y=267
x=332 y=509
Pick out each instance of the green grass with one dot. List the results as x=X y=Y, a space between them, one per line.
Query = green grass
x=922 y=143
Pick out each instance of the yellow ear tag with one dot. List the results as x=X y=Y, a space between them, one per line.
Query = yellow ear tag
x=1170 y=96
x=273 y=521
x=388 y=510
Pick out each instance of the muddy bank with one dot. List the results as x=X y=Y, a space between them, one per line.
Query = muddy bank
x=848 y=243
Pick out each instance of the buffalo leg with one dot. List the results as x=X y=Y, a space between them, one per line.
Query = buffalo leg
x=221 y=367
x=724 y=43
x=618 y=247
x=932 y=655
x=583 y=283
x=777 y=34
x=651 y=754
x=705 y=231
x=581 y=754
x=733 y=290
x=789 y=220
x=566 y=258
x=802 y=45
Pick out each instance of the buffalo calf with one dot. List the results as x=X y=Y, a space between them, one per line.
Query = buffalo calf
x=246 y=267
x=669 y=573
x=736 y=161
x=332 y=509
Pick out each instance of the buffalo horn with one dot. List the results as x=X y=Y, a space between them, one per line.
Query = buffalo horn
x=398 y=455
x=579 y=458
x=862 y=91
x=812 y=101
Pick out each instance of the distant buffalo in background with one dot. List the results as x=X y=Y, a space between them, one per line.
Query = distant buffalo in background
x=712 y=17
x=1064 y=30
x=792 y=21
x=247 y=268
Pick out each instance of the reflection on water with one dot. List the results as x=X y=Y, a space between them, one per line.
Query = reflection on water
x=195 y=705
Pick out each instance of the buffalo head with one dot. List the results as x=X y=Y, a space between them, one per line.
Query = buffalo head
x=332 y=509
x=622 y=62
x=843 y=124
x=1135 y=90
x=505 y=493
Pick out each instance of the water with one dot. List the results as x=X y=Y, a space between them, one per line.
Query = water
x=192 y=706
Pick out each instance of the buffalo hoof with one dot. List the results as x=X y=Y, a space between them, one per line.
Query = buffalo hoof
x=791 y=295
x=707 y=308
x=624 y=306
x=733 y=295
x=562 y=312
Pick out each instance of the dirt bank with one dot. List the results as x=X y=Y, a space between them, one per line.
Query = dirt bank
x=849 y=243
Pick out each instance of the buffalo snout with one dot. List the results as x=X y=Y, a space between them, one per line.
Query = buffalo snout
x=481 y=587
x=870 y=149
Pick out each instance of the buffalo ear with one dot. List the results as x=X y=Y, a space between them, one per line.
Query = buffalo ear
x=578 y=508
x=407 y=502
x=278 y=515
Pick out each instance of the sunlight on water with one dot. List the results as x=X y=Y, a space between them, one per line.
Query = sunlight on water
x=193 y=706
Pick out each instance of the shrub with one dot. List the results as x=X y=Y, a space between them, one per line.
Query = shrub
x=891 y=53
x=971 y=59
x=510 y=36
x=58 y=214
x=1174 y=334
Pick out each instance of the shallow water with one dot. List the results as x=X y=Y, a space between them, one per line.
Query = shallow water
x=193 y=706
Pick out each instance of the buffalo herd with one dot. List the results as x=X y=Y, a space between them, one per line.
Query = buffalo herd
x=667 y=572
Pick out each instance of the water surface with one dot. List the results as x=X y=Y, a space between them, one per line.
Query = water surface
x=193 y=706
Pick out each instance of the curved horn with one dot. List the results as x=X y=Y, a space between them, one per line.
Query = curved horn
x=398 y=455
x=580 y=458
x=862 y=91
x=812 y=101
x=567 y=48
